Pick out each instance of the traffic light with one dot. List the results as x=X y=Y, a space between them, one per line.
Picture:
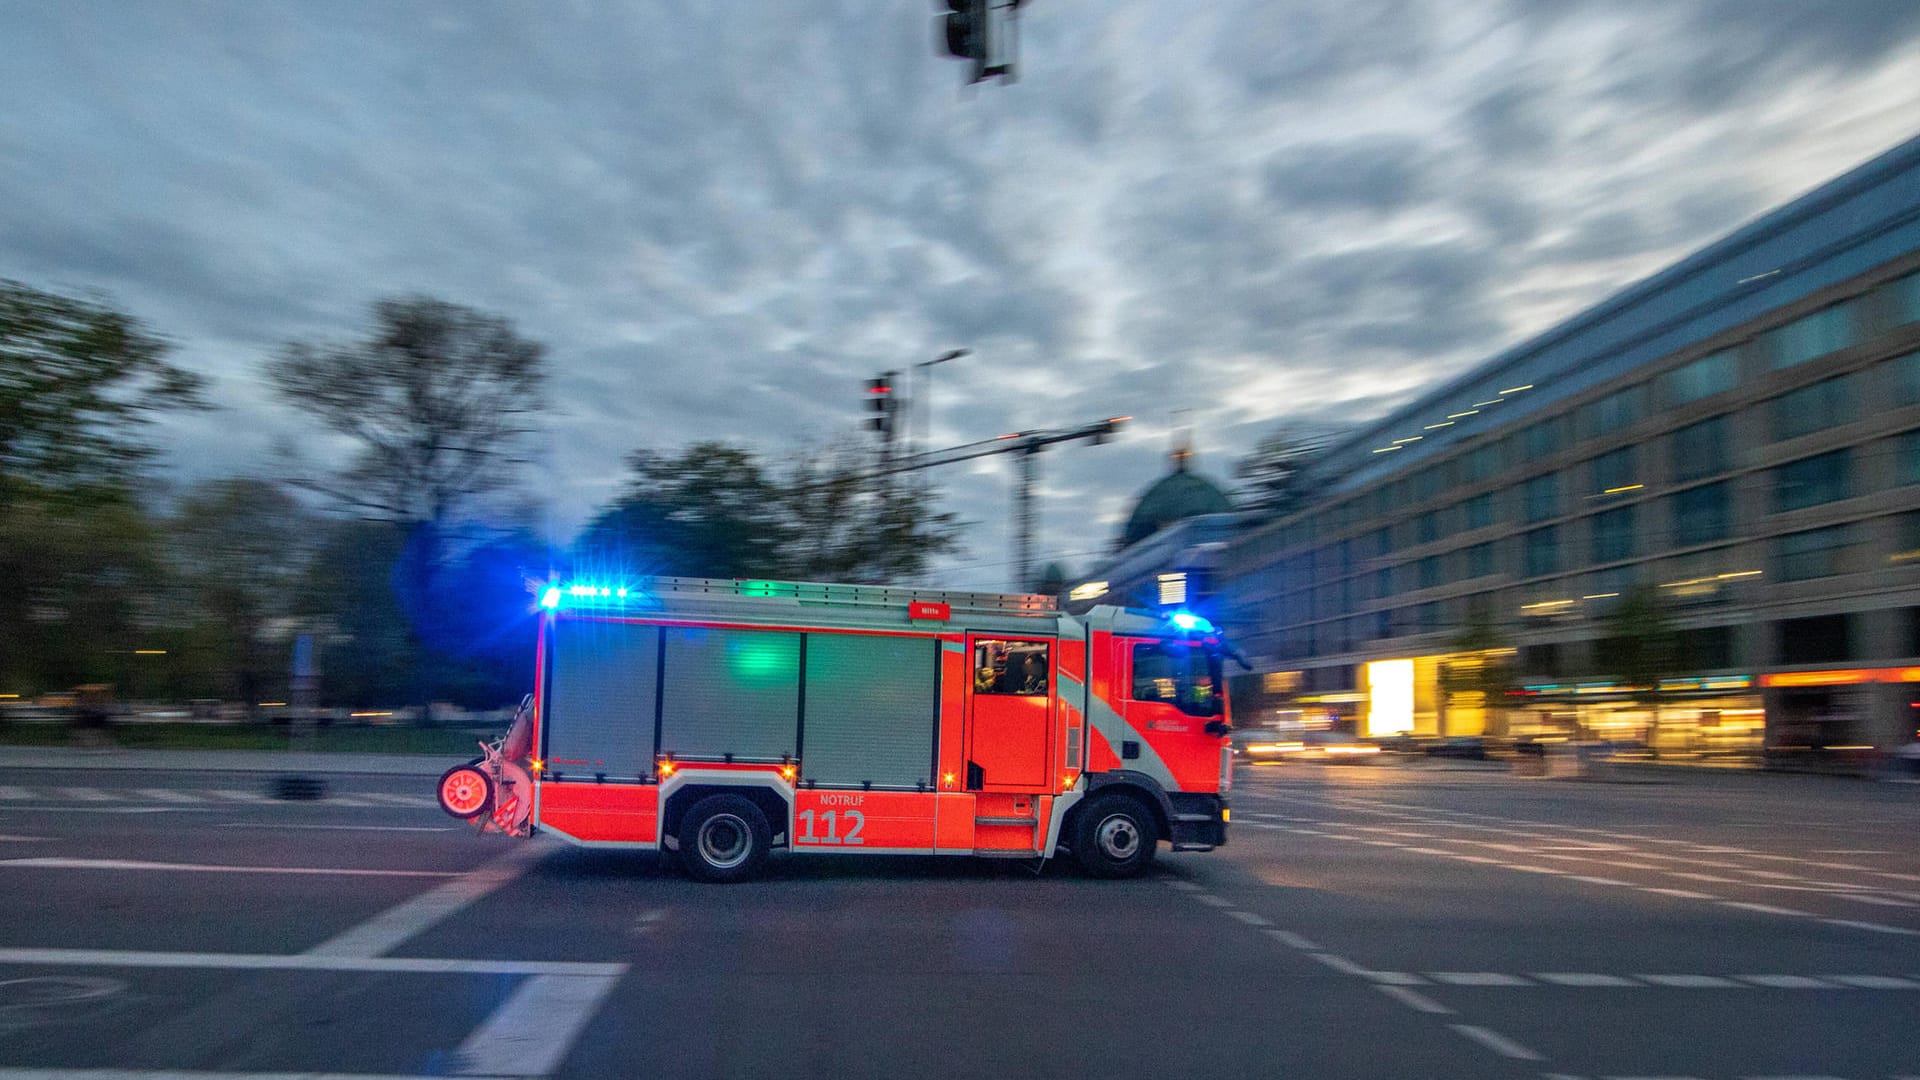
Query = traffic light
x=880 y=403
x=964 y=32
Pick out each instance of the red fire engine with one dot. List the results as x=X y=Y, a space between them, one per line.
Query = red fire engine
x=723 y=719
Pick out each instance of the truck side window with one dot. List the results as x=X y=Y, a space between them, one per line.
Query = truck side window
x=1184 y=677
x=1020 y=668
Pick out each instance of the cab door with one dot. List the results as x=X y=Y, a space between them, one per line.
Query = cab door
x=1010 y=708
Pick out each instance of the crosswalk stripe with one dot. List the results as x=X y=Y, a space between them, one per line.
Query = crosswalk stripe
x=7 y=792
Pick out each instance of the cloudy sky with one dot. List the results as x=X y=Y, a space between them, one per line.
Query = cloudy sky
x=723 y=216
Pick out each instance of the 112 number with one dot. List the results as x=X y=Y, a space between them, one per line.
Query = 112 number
x=855 y=821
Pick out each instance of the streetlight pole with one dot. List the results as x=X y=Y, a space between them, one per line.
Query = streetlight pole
x=923 y=391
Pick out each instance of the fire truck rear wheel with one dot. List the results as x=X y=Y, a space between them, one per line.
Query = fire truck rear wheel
x=724 y=838
x=1114 y=837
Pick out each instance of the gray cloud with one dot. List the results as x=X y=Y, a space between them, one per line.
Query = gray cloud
x=722 y=217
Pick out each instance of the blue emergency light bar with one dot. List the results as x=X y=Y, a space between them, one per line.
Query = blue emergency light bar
x=555 y=595
x=1188 y=621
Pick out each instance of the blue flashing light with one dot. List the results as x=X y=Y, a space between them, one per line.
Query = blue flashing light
x=1187 y=620
x=551 y=598
x=555 y=594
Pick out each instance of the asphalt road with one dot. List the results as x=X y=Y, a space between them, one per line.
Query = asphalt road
x=1386 y=920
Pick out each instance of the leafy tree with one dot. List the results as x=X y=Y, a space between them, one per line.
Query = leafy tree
x=78 y=380
x=439 y=402
x=80 y=595
x=1640 y=647
x=240 y=549
x=847 y=524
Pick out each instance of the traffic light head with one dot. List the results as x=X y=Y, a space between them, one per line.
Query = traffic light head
x=880 y=402
x=963 y=31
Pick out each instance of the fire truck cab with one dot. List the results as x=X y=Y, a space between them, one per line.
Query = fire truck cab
x=719 y=720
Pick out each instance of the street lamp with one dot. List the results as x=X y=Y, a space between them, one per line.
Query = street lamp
x=923 y=390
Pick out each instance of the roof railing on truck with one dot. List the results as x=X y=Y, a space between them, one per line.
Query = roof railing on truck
x=821 y=594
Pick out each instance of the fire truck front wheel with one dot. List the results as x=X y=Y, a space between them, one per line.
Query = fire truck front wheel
x=724 y=838
x=1114 y=837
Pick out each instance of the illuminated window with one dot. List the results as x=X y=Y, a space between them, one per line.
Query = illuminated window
x=1019 y=668
x=1173 y=588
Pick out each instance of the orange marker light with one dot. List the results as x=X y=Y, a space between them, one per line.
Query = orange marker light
x=666 y=768
x=787 y=772
x=538 y=765
x=947 y=779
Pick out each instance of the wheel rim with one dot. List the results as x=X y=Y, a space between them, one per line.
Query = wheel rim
x=464 y=792
x=1119 y=837
x=724 y=841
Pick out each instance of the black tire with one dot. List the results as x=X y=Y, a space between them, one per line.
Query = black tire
x=468 y=810
x=1114 y=837
x=723 y=839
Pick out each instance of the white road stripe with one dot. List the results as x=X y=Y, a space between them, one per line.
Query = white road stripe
x=418 y=802
x=1477 y=978
x=168 y=795
x=1690 y=982
x=1249 y=918
x=1340 y=964
x=299 y=962
x=1292 y=940
x=276 y=827
x=1583 y=978
x=87 y=794
x=1878 y=928
x=231 y=795
x=51 y=863
x=1787 y=982
x=1212 y=900
x=388 y=929
x=1765 y=909
x=1684 y=894
x=531 y=1034
x=8 y=792
x=1497 y=1042
x=1876 y=982
x=1415 y=1000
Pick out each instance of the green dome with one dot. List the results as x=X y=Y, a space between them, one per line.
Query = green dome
x=1180 y=494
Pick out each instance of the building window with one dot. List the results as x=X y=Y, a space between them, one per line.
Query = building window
x=1700 y=450
x=1382 y=625
x=1811 y=481
x=1700 y=515
x=1430 y=572
x=1426 y=527
x=1480 y=463
x=1822 y=639
x=1906 y=300
x=1429 y=616
x=1613 y=412
x=1907 y=458
x=1705 y=377
x=1811 y=337
x=1815 y=553
x=1543 y=438
x=1382 y=544
x=1826 y=404
x=1428 y=482
x=1541 y=497
x=1480 y=560
x=1479 y=510
x=1613 y=535
x=1543 y=551
x=1612 y=471
x=1903 y=379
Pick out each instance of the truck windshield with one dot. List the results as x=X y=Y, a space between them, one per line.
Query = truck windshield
x=1180 y=675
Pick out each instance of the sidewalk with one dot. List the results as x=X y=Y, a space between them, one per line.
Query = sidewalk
x=252 y=761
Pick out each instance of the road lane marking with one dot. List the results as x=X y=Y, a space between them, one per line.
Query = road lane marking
x=1583 y=979
x=1250 y=918
x=1878 y=928
x=87 y=794
x=531 y=1033
x=168 y=795
x=9 y=839
x=1496 y=1042
x=1415 y=1000
x=231 y=795
x=53 y=863
x=11 y=793
x=1787 y=982
x=1477 y=978
x=387 y=930
x=1765 y=909
x=1876 y=982
x=1293 y=940
x=127 y=958
x=1184 y=886
x=1684 y=894
x=276 y=827
x=1340 y=964
x=1212 y=900
x=1690 y=982
x=417 y=802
